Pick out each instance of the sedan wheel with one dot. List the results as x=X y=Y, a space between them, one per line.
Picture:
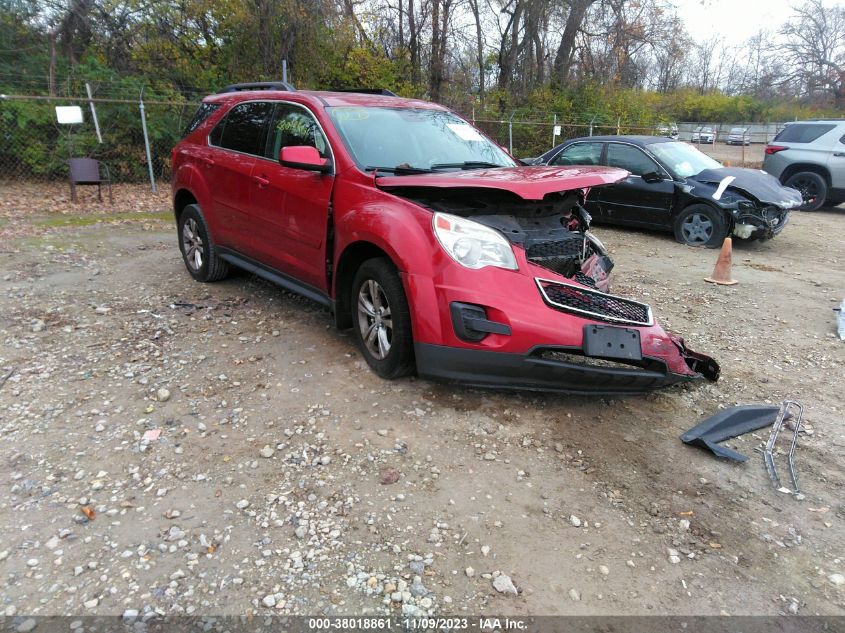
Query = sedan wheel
x=700 y=225
x=697 y=229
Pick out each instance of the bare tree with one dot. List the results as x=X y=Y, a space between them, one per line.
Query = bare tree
x=574 y=20
x=815 y=50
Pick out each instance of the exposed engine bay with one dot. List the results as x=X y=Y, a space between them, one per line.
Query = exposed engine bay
x=554 y=231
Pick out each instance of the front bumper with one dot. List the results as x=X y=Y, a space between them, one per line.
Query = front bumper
x=527 y=330
x=761 y=224
x=552 y=369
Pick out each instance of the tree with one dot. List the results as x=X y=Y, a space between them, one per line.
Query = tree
x=814 y=50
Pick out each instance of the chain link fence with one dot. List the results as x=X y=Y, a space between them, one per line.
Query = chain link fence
x=34 y=147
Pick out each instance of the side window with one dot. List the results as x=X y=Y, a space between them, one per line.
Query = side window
x=579 y=154
x=243 y=128
x=803 y=132
x=631 y=158
x=293 y=125
x=842 y=140
x=203 y=112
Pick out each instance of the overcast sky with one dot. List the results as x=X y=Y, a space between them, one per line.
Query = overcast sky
x=736 y=20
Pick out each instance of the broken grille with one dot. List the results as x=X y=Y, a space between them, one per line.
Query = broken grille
x=563 y=256
x=593 y=304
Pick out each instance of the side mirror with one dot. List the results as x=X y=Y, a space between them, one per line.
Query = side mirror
x=304 y=157
x=652 y=177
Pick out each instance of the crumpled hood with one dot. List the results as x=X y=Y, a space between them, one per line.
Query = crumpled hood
x=529 y=183
x=751 y=183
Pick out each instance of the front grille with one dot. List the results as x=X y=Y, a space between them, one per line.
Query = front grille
x=593 y=304
x=561 y=256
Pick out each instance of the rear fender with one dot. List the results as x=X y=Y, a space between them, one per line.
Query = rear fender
x=197 y=186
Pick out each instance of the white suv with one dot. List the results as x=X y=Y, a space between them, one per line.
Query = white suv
x=810 y=156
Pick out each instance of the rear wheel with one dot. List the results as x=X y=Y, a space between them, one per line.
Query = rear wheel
x=701 y=225
x=811 y=186
x=382 y=320
x=198 y=251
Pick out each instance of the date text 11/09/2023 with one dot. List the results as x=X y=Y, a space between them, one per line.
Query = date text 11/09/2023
x=376 y=623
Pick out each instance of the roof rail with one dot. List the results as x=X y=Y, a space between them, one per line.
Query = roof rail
x=260 y=85
x=368 y=91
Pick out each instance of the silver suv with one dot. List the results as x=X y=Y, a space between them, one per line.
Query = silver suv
x=810 y=156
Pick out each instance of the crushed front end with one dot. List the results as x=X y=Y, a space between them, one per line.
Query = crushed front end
x=546 y=321
x=757 y=204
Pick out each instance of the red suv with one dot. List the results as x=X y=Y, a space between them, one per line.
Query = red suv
x=421 y=234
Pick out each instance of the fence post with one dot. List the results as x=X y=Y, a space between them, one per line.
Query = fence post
x=510 y=133
x=618 y=123
x=93 y=113
x=554 y=125
x=147 y=142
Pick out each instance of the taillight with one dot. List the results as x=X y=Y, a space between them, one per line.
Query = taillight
x=774 y=149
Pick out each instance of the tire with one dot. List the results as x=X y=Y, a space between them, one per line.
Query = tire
x=381 y=319
x=811 y=186
x=198 y=250
x=701 y=225
x=833 y=202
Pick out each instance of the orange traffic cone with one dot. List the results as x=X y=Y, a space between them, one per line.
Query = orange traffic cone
x=722 y=271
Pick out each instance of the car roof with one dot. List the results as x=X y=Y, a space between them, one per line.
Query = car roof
x=834 y=121
x=322 y=98
x=634 y=139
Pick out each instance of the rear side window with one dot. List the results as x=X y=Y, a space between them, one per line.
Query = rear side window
x=203 y=112
x=631 y=158
x=243 y=128
x=803 y=132
x=579 y=154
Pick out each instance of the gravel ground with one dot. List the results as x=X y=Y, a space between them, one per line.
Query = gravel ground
x=176 y=447
x=735 y=155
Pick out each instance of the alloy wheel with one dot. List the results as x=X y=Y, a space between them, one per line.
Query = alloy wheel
x=192 y=244
x=374 y=319
x=807 y=188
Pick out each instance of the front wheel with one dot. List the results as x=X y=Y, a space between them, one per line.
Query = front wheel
x=382 y=320
x=811 y=186
x=701 y=225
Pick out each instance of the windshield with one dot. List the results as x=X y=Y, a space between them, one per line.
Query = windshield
x=737 y=130
x=414 y=139
x=683 y=159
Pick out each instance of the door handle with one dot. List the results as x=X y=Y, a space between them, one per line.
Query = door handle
x=839 y=154
x=261 y=180
x=209 y=162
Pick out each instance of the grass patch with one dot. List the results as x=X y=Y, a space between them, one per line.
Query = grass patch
x=89 y=220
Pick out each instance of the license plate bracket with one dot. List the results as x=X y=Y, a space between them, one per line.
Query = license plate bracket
x=610 y=341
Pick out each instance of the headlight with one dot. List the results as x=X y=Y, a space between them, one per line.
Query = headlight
x=472 y=244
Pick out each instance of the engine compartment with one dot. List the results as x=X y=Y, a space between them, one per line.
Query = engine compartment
x=553 y=231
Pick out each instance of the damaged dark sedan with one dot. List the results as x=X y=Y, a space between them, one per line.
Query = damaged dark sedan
x=674 y=186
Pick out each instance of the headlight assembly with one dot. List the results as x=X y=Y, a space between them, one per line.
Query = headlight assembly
x=471 y=244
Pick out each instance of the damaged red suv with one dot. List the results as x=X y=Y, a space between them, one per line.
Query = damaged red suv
x=417 y=231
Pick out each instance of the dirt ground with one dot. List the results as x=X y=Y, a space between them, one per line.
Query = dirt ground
x=287 y=478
